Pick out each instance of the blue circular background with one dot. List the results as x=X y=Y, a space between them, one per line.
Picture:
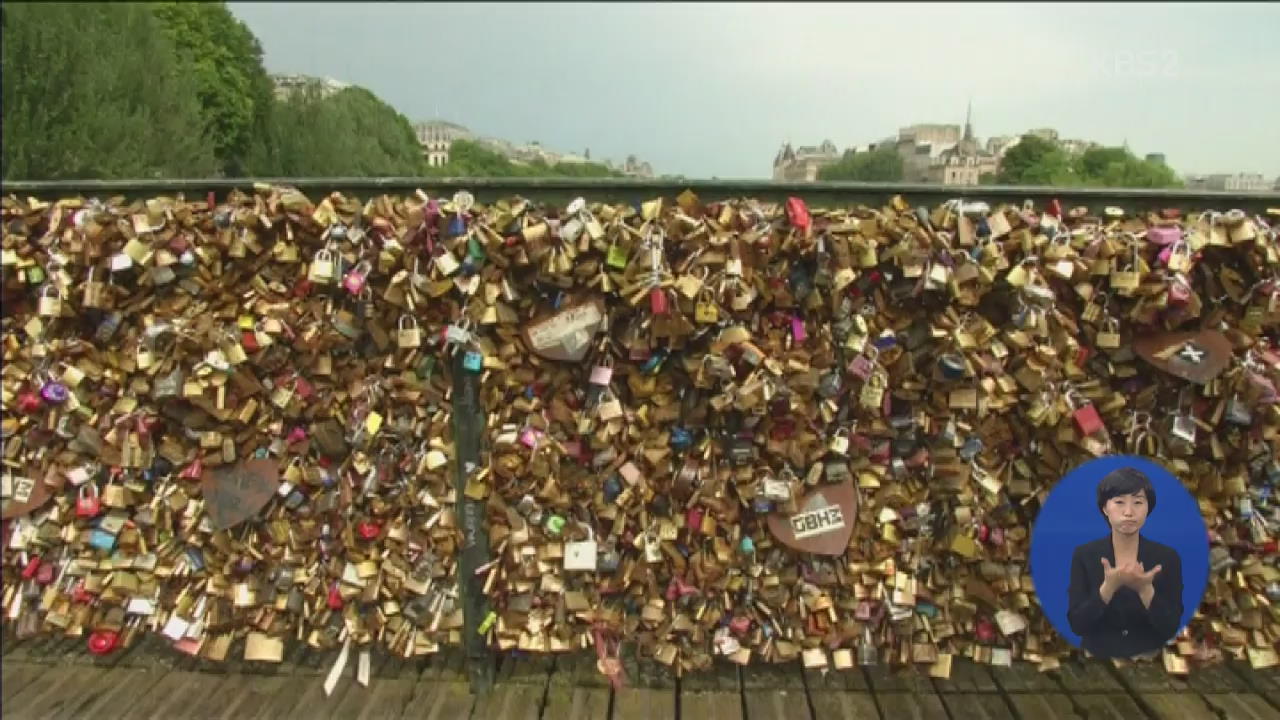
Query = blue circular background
x=1069 y=517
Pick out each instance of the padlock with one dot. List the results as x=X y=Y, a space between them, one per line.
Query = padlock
x=1085 y=415
x=88 y=504
x=356 y=278
x=473 y=361
x=706 y=310
x=408 y=336
x=50 y=303
x=602 y=373
x=580 y=556
x=321 y=271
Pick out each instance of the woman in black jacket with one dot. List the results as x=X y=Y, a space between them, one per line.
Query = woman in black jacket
x=1125 y=596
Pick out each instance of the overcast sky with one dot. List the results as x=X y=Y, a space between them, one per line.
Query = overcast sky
x=715 y=89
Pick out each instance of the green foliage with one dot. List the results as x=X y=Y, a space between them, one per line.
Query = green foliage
x=468 y=158
x=225 y=59
x=95 y=90
x=349 y=133
x=1036 y=161
x=882 y=164
x=1117 y=167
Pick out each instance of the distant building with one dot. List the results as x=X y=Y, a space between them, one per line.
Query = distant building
x=1000 y=144
x=938 y=137
x=436 y=138
x=1044 y=134
x=287 y=85
x=1156 y=158
x=802 y=165
x=1236 y=182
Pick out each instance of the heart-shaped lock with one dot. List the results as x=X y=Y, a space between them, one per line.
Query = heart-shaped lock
x=823 y=522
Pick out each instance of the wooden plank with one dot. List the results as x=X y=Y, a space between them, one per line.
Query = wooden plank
x=777 y=704
x=307 y=700
x=711 y=705
x=1148 y=677
x=33 y=700
x=1261 y=681
x=16 y=675
x=453 y=701
x=518 y=701
x=967 y=676
x=638 y=703
x=829 y=705
x=909 y=679
x=1108 y=706
x=1242 y=706
x=245 y=694
x=1216 y=679
x=1023 y=677
x=916 y=706
x=981 y=706
x=82 y=686
x=204 y=695
x=589 y=704
x=1177 y=706
x=115 y=689
x=1043 y=706
x=1087 y=677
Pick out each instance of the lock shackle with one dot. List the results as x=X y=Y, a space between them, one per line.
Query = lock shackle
x=411 y=324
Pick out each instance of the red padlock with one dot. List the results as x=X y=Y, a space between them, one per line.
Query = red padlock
x=44 y=575
x=33 y=566
x=194 y=471
x=1054 y=209
x=335 y=597
x=88 y=505
x=798 y=213
x=985 y=631
x=29 y=403
x=249 y=341
x=102 y=642
x=658 y=301
x=80 y=595
x=740 y=624
x=693 y=519
x=1087 y=419
x=369 y=530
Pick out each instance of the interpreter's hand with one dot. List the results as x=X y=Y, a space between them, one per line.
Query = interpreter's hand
x=1131 y=575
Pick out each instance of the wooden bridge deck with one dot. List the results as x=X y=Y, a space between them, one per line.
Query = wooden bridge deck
x=55 y=678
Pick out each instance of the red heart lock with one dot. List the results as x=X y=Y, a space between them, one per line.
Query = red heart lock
x=103 y=642
x=798 y=213
x=335 y=597
x=369 y=530
x=29 y=403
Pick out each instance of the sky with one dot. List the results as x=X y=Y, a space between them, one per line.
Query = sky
x=713 y=90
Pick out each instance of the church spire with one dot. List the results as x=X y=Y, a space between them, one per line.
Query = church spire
x=968 y=124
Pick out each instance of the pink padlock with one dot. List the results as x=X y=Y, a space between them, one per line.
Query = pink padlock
x=1162 y=235
x=529 y=437
x=797 y=329
x=601 y=374
x=693 y=519
x=355 y=280
x=297 y=435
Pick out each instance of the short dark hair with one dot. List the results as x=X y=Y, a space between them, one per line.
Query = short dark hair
x=1125 y=481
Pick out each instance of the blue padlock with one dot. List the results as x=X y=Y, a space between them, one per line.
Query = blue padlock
x=457 y=225
x=681 y=438
x=195 y=558
x=653 y=363
x=762 y=506
x=102 y=540
x=952 y=366
x=747 y=546
x=612 y=488
x=972 y=448
x=473 y=361
x=927 y=610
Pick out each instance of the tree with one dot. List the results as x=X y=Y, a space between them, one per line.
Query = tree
x=880 y=165
x=468 y=158
x=348 y=133
x=1117 y=167
x=110 y=102
x=226 y=61
x=1036 y=161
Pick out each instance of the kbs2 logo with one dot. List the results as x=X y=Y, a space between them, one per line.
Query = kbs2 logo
x=816 y=522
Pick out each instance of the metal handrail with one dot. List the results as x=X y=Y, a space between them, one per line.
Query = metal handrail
x=637 y=188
